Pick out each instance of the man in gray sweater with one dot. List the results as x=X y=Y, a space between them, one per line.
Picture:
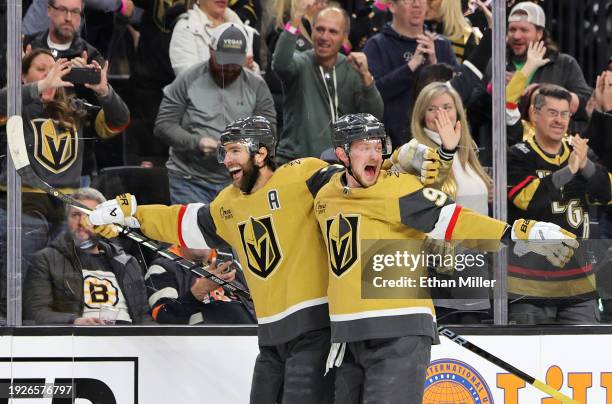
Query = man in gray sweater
x=196 y=108
x=320 y=85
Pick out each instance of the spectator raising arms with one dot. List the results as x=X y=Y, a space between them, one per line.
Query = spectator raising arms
x=320 y=84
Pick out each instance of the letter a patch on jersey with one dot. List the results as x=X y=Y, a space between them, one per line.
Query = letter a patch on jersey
x=260 y=245
x=342 y=242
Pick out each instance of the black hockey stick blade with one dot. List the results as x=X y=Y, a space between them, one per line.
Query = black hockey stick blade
x=453 y=336
x=19 y=154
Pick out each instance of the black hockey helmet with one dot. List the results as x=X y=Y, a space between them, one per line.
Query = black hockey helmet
x=352 y=127
x=254 y=131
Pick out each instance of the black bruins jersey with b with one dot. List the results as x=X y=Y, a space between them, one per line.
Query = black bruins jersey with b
x=533 y=195
x=55 y=150
x=397 y=207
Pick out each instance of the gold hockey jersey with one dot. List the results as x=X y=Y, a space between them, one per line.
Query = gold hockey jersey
x=397 y=207
x=279 y=245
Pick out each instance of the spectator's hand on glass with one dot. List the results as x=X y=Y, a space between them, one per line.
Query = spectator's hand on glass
x=88 y=321
x=54 y=79
x=101 y=89
x=208 y=145
x=79 y=61
x=450 y=133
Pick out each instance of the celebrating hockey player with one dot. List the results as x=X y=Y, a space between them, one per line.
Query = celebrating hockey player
x=385 y=344
x=266 y=215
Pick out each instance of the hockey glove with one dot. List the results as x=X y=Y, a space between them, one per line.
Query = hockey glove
x=418 y=159
x=105 y=230
x=543 y=238
x=121 y=211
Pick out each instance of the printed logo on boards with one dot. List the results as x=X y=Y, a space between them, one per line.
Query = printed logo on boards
x=453 y=381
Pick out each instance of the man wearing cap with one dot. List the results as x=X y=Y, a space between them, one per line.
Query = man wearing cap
x=196 y=108
x=526 y=24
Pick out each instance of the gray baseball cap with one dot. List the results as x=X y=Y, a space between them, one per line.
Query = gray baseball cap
x=528 y=12
x=229 y=42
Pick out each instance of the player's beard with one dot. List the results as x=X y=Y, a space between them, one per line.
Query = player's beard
x=250 y=174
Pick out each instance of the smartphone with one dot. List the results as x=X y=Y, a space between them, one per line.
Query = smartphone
x=83 y=75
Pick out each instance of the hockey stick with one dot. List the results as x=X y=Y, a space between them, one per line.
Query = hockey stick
x=453 y=336
x=19 y=154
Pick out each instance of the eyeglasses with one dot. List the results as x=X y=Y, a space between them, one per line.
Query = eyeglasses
x=74 y=12
x=553 y=113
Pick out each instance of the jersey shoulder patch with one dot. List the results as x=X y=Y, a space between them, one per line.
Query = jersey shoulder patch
x=321 y=177
x=523 y=147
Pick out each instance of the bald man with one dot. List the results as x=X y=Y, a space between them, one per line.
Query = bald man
x=320 y=84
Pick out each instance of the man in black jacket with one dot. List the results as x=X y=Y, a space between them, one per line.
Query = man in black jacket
x=62 y=38
x=79 y=273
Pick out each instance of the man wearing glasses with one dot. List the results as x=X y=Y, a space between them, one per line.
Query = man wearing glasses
x=550 y=178
x=62 y=38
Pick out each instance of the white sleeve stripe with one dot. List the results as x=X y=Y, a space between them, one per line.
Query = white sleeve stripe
x=154 y=270
x=169 y=293
x=446 y=215
x=189 y=229
x=473 y=68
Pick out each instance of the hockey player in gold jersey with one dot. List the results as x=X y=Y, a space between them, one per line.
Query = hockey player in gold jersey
x=382 y=346
x=267 y=217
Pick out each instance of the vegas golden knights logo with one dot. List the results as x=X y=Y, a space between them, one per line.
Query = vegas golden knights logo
x=55 y=147
x=342 y=242
x=260 y=245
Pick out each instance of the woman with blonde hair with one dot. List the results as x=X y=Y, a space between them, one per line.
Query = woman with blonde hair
x=450 y=22
x=439 y=122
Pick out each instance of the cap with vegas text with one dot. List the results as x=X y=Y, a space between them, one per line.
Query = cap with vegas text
x=229 y=42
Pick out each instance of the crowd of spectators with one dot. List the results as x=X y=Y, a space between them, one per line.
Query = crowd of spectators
x=174 y=73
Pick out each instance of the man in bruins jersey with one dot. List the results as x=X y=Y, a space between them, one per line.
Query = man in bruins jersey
x=382 y=346
x=266 y=215
x=551 y=180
